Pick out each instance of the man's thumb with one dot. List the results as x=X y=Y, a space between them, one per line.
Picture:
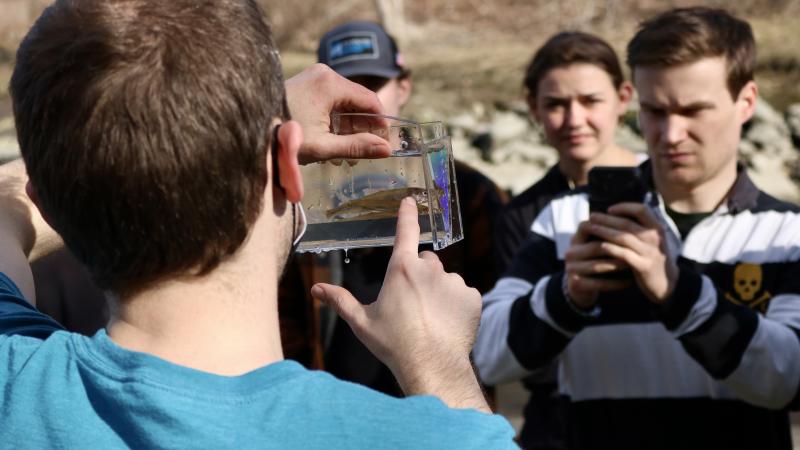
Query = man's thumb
x=341 y=300
x=360 y=146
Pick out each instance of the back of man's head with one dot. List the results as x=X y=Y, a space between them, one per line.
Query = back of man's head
x=686 y=35
x=144 y=126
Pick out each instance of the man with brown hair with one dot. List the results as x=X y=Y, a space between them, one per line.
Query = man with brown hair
x=699 y=347
x=157 y=141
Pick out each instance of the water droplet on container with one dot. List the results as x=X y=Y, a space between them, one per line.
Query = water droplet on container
x=346 y=258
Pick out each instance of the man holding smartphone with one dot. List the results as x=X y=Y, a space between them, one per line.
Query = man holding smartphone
x=700 y=348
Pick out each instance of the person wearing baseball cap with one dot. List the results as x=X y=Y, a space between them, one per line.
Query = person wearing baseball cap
x=365 y=53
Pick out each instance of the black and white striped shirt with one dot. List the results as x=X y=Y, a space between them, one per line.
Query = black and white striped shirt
x=716 y=367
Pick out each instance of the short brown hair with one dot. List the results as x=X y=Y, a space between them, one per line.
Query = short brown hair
x=144 y=125
x=566 y=48
x=686 y=35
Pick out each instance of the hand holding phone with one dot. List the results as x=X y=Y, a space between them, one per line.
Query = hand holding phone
x=635 y=242
x=609 y=185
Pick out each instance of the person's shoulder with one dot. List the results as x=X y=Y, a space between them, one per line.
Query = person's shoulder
x=551 y=185
x=464 y=170
x=18 y=317
x=778 y=219
x=410 y=422
x=765 y=203
x=8 y=287
x=24 y=331
x=478 y=194
x=571 y=201
x=438 y=426
x=459 y=428
x=36 y=357
x=471 y=179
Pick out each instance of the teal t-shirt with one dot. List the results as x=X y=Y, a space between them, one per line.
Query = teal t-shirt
x=64 y=390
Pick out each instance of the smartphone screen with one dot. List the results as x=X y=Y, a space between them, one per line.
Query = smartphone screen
x=609 y=185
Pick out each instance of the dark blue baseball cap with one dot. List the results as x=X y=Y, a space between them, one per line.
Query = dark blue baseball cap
x=361 y=48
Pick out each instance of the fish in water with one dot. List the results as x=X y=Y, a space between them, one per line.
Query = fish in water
x=381 y=204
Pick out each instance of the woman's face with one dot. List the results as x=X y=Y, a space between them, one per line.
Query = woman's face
x=579 y=108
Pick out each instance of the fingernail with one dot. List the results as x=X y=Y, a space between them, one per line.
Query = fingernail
x=316 y=291
x=410 y=200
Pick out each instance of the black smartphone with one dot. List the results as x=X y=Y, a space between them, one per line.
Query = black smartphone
x=609 y=185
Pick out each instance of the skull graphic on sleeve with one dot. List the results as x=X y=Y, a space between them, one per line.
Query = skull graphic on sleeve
x=747 y=281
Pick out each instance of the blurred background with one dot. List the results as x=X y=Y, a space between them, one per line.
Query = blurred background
x=468 y=57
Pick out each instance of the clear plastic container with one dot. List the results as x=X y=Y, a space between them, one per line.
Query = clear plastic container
x=354 y=203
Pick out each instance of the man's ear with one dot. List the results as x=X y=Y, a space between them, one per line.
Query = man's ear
x=404 y=86
x=290 y=138
x=747 y=101
x=625 y=93
x=31 y=192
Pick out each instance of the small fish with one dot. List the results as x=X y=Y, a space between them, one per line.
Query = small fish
x=380 y=204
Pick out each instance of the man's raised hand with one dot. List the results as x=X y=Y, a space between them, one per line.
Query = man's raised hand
x=423 y=323
x=313 y=95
